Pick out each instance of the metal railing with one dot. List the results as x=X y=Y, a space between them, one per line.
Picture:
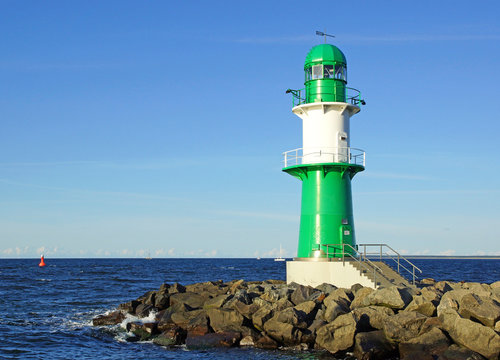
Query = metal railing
x=351 y=254
x=352 y=96
x=395 y=256
x=346 y=155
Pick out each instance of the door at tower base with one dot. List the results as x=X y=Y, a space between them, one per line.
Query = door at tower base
x=314 y=273
x=326 y=221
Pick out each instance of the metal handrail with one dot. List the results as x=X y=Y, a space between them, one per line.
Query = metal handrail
x=400 y=257
x=352 y=95
x=350 y=155
x=373 y=268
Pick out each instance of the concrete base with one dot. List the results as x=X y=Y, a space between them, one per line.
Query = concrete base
x=331 y=272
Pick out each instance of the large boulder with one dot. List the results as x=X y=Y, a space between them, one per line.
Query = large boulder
x=216 y=302
x=182 y=318
x=433 y=342
x=360 y=299
x=113 y=318
x=421 y=305
x=391 y=297
x=291 y=316
x=283 y=333
x=261 y=316
x=308 y=310
x=192 y=300
x=468 y=333
x=373 y=345
x=301 y=294
x=171 y=337
x=456 y=352
x=225 y=320
x=479 y=308
x=334 y=308
x=129 y=307
x=371 y=317
x=337 y=335
x=225 y=339
x=403 y=326
x=143 y=330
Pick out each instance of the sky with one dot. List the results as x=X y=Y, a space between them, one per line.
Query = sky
x=134 y=128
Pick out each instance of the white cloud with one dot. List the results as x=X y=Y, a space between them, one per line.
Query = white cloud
x=8 y=251
x=448 y=252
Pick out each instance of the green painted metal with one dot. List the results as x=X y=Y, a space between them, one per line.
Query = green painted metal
x=325 y=74
x=326 y=214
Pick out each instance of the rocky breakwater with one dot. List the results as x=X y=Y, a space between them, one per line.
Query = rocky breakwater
x=437 y=320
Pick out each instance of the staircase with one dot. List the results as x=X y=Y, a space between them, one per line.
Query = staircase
x=384 y=278
x=378 y=272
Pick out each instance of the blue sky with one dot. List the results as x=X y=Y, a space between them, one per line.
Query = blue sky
x=131 y=127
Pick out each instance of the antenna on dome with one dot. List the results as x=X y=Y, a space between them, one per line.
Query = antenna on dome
x=320 y=33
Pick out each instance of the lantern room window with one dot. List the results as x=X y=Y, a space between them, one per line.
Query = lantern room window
x=328 y=72
x=340 y=72
x=317 y=72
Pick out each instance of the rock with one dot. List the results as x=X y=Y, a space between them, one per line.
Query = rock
x=239 y=284
x=431 y=294
x=427 y=281
x=198 y=324
x=192 y=300
x=301 y=294
x=281 y=304
x=337 y=335
x=403 y=326
x=359 y=299
x=443 y=286
x=334 y=308
x=281 y=332
x=265 y=342
x=182 y=318
x=173 y=336
x=433 y=342
x=355 y=288
x=478 y=308
x=455 y=352
x=339 y=294
x=143 y=310
x=262 y=315
x=391 y=297
x=421 y=305
x=216 y=302
x=164 y=317
x=244 y=309
x=291 y=316
x=497 y=326
x=225 y=320
x=143 y=330
x=308 y=309
x=225 y=339
x=429 y=324
x=176 y=288
x=273 y=295
x=247 y=341
x=148 y=298
x=162 y=300
x=373 y=346
x=326 y=288
x=129 y=307
x=371 y=317
x=479 y=338
x=113 y=318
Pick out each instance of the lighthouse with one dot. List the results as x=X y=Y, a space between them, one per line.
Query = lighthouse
x=326 y=165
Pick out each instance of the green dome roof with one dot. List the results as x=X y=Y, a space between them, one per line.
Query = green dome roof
x=324 y=54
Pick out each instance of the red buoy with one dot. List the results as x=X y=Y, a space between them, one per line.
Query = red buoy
x=42 y=262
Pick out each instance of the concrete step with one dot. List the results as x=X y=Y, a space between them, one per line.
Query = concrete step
x=388 y=277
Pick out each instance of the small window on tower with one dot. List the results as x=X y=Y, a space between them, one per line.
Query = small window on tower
x=317 y=72
x=328 y=74
x=340 y=72
x=308 y=74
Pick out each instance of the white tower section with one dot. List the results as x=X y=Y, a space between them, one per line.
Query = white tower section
x=325 y=131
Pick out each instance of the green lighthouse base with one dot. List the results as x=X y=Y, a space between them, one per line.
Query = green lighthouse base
x=326 y=221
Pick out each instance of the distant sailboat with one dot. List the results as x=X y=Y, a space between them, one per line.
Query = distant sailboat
x=280 y=258
x=149 y=256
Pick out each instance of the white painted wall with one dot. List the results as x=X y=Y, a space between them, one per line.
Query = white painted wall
x=323 y=127
x=314 y=273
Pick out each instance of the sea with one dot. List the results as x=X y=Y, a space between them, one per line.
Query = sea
x=46 y=313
